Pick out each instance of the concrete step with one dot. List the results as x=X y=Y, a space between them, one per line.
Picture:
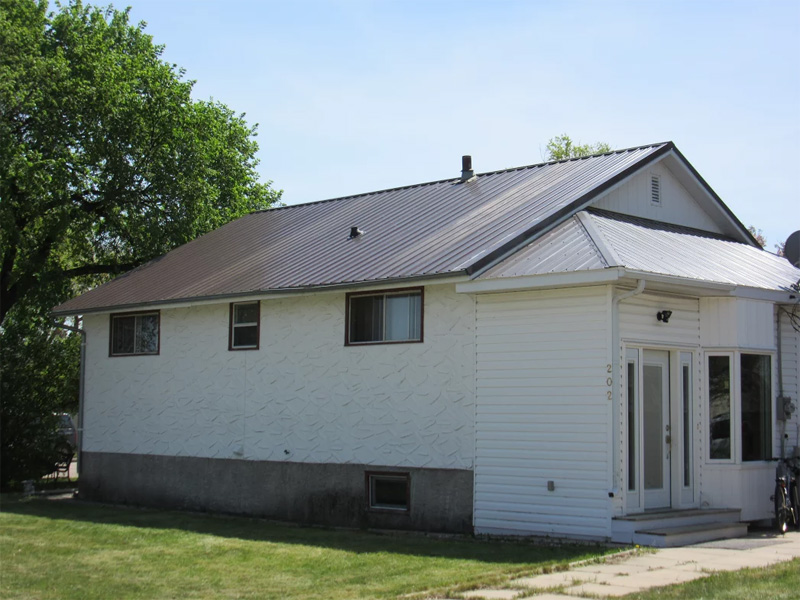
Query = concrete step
x=624 y=529
x=670 y=537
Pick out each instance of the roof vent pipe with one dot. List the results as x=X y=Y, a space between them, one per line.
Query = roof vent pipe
x=354 y=233
x=466 y=168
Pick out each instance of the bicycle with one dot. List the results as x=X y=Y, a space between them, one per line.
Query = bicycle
x=787 y=494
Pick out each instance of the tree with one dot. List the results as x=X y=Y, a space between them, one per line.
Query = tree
x=562 y=147
x=106 y=162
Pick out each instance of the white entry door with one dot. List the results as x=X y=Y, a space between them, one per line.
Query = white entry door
x=656 y=431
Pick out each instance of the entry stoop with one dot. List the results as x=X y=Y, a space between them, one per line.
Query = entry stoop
x=668 y=529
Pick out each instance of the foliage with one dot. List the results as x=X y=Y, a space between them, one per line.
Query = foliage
x=106 y=162
x=562 y=147
x=758 y=235
x=55 y=549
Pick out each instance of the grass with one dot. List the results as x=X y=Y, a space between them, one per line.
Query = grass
x=778 y=582
x=64 y=549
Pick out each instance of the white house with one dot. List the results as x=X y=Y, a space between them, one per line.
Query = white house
x=592 y=348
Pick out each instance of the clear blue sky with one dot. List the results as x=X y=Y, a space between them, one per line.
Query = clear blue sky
x=355 y=96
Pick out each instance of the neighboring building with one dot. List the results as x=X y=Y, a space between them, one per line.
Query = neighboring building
x=549 y=350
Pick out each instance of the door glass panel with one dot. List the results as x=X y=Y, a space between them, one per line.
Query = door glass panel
x=653 y=428
x=686 y=392
x=632 y=427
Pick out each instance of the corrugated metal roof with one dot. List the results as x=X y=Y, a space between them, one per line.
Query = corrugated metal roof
x=566 y=248
x=438 y=228
x=650 y=247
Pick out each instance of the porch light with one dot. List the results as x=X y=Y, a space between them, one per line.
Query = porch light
x=664 y=315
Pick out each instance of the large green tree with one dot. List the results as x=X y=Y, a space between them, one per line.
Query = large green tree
x=106 y=161
x=562 y=147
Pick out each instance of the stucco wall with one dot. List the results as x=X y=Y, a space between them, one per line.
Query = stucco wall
x=302 y=397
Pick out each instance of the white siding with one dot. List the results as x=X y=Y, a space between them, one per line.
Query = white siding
x=737 y=322
x=677 y=206
x=638 y=322
x=790 y=361
x=543 y=413
x=303 y=397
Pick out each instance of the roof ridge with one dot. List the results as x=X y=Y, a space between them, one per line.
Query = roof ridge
x=454 y=179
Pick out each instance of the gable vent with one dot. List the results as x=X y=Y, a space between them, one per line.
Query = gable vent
x=655 y=189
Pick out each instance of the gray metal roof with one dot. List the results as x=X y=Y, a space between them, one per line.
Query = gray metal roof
x=440 y=228
x=615 y=240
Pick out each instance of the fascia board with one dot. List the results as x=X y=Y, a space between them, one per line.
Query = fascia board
x=267 y=295
x=551 y=280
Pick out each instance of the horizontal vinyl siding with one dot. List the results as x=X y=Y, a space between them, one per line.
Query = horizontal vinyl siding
x=638 y=322
x=542 y=413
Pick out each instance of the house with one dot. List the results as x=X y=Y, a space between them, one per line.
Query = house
x=592 y=348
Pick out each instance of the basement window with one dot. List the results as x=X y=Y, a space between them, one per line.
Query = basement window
x=384 y=317
x=134 y=333
x=388 y=491
x=244 y=326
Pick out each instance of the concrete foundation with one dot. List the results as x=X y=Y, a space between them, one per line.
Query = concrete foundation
x=325 y=494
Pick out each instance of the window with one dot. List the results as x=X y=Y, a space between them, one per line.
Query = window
x=384 y=317
x=388 y=491
x=244 y=329
x=719 y=399
x=756 y=389
x=134 y=333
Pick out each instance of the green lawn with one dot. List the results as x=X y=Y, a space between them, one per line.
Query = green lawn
x=62 y=549
x=779 y=582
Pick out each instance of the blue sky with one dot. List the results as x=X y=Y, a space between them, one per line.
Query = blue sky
x=355 y=96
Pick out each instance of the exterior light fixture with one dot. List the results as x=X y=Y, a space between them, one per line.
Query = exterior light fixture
x=664 y=315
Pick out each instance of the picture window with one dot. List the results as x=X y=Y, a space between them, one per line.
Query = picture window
x=384 y=317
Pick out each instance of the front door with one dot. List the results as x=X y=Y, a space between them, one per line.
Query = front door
x=656 y=430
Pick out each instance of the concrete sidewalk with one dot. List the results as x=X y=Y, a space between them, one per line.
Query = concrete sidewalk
x=618 y=576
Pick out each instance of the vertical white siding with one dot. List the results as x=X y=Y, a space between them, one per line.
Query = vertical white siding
x=303 y=397
x=543 y=413
x=737 y=322
x=677 y=206
x=790 y=361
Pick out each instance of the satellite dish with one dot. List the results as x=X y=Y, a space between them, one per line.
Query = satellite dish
x=792 y=249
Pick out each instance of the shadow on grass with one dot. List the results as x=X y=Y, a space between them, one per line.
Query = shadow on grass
x=523 y=553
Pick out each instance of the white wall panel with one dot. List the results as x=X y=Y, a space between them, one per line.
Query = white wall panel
x=638 y=322
x=737 y=322
x=303 y=397
x=790 y=361
x=543 y=413
x=677 y=206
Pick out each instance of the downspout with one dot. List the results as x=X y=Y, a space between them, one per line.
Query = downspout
x=619 y=486
x=82 y=333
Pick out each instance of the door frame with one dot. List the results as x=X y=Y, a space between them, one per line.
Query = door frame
x=684 y=422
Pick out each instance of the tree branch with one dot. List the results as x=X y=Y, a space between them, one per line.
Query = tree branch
x=92 y=269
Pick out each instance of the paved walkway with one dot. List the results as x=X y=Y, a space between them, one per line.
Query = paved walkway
x=635 y=572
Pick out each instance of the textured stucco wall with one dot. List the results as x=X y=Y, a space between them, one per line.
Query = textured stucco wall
x=303 y=397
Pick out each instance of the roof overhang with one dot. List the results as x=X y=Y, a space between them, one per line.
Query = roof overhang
x=623 y=277
x=443 y=279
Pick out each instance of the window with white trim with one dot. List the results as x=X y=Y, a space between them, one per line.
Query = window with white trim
x=755 y=379
x=384 y=317
x=388 y=491
x=134 y=333
x=719 y=406
x=244 y=325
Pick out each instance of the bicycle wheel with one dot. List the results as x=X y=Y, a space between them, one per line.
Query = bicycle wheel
x=782 y=514
x=796 y=504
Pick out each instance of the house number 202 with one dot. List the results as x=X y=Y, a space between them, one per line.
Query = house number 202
x=609 y=381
